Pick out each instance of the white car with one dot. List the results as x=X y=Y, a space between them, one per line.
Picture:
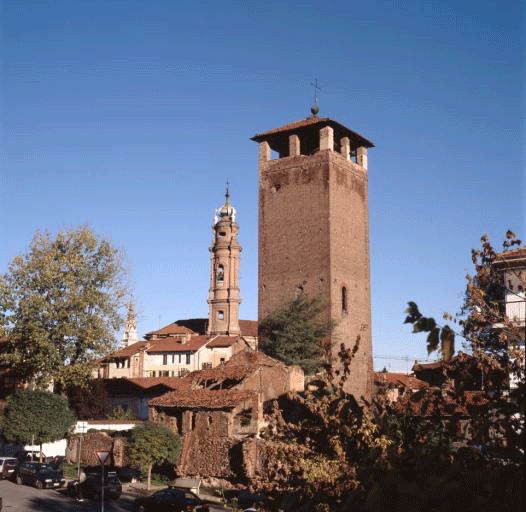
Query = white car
x=7 y=467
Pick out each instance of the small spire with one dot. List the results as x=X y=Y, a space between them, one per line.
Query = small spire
x=227 y=195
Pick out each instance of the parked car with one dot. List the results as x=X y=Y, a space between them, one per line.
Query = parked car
x=39 y=475
x=172 y=499
x=92 y=487
x=7 y=467
x=129 y=475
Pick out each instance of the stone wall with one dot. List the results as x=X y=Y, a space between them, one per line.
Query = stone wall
x=91 y=442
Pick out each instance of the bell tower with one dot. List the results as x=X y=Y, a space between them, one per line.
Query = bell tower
x=129 y=337
x=223 y=297
x=313 y=231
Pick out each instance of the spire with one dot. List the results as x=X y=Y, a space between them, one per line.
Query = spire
x=227 y=195
x=129 y=336
x=227 y=210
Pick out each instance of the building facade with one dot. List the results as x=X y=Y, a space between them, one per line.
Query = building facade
x=195 y=344
x=313 y=231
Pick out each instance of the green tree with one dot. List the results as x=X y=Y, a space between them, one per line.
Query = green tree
x=36 y=416
x=60 y=306
x=152 y=444
x=296 y=334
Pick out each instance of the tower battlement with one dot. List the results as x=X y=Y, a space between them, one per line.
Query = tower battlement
x=313 y=230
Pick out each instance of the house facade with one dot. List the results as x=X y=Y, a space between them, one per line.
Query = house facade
x=221 y=409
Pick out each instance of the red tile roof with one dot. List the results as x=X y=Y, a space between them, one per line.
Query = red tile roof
x=510 y=256
x=399 y=380
x=137 y=386
x=202 y=398
x=251 y=357
x=312 y=121
x=169 y=382
x=128 y=351
x=172 y=328
x=223 y=341
x=248 y=327
x=222 y=373
x=175 y=345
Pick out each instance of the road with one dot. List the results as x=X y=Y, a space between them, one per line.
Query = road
x=22 y=498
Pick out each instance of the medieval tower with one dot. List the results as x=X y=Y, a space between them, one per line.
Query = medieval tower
x=313 y=230
x=223 y=297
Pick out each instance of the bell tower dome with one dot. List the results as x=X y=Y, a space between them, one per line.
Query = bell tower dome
x=223 y=297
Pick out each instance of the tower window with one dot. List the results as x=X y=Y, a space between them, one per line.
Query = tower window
x=344 y=299
x=220 y=274
x=221 y=315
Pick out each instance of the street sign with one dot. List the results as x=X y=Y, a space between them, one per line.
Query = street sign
x=102 y=455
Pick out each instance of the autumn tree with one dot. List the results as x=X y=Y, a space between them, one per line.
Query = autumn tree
x=152 y=444
x=60 y=306
x=495 y=346
x=296 y=333
x=35 y=416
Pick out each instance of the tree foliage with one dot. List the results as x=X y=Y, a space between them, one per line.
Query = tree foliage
x=60 y=306
x=89 y=401
x=152 y=444
x=36 y=416
x=296 y=333
x=477 y=385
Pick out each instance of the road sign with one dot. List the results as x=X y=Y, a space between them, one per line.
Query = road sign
x=102 y=455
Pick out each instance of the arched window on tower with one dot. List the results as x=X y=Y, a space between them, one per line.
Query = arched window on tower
x=344 y=299
x=220 y=274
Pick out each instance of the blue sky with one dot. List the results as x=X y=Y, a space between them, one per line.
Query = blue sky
x=130 y=116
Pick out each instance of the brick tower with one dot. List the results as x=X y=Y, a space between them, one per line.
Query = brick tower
x=223 y=297
x=313 y=230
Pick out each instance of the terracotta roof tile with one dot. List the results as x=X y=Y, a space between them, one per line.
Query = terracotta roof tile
x=175 y=345
x=251 y=357
x=122 y=386
x=248 y=327
x=223 y=373
x=399 y=379
x=173 y=328
x=202 y=398
x=128 y=351
x=223 y=341
x=312 y=121
x=515 y=254
x=169 y=382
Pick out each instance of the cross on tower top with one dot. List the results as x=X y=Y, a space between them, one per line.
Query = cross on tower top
x=315 y=108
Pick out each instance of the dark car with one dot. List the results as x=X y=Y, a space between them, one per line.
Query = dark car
x=39 y=475
x=172 y=500
x=92 y=486
x=8 y=467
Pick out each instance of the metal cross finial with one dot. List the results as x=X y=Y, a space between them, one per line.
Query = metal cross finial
x=227 y=195
x=316 y=89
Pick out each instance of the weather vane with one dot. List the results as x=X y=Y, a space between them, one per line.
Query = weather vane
x=315 y=108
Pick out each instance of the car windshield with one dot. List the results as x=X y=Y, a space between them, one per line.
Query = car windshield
x=45 y=467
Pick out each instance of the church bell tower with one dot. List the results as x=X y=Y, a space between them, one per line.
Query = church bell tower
x=223 y=298
x=313 y=231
